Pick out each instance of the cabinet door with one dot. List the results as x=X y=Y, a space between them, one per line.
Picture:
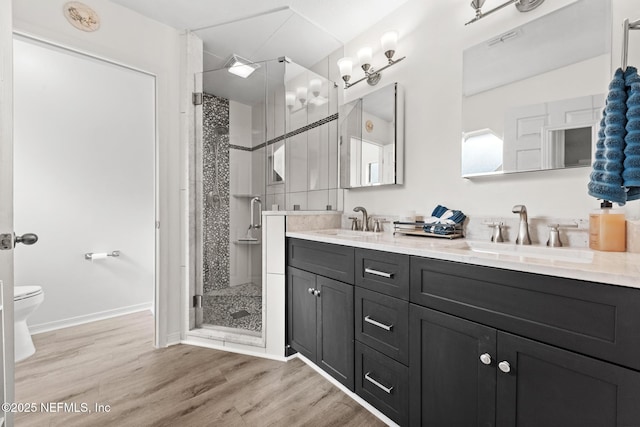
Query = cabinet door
x=547 y=386
x=301 y=313
x=449 y=384
x=335 y=330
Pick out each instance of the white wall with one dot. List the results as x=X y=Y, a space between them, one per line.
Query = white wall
x=131 y=39
x=84 y=147
x=433 y=37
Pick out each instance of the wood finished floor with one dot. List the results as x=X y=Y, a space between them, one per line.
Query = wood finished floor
x=113 y=362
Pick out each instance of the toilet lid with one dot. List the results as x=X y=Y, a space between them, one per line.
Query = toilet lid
x=22 y=292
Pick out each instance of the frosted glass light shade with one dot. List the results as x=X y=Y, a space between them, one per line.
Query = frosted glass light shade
x=301 y=92
x=364 y=57
x=389 y=41
x=315 y=85
x=346 y=67
x=290 y=99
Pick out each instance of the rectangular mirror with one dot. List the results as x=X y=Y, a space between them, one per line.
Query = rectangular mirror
x=533 y=96
x=372 y=139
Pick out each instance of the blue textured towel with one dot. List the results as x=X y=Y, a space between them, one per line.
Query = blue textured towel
x=443 y=221
x=606 y=178
x=616 y=169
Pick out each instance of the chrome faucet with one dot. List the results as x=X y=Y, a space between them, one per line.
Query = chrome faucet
x=523 y=230
x=365 y=217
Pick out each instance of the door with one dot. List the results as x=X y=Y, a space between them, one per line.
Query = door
x=335 y=329
x=452 y=375
x=547 y=386
x=6 y=203
x=301 y=315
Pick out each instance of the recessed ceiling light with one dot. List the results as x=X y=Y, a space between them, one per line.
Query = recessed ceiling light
x=241 y=66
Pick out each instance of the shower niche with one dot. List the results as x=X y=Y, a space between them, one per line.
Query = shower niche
x=265 y=141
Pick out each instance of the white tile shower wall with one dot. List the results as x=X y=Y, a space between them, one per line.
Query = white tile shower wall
x=433 y=33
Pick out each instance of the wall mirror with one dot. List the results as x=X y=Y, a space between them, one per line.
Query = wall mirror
x=533 y=96
x=372 y=139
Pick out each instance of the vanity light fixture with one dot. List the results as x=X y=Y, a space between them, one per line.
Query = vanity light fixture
x=389 y=43
x=521 y=5
x=240 y=66
x=305 y=95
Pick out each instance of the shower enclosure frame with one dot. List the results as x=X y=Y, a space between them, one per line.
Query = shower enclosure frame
x=282 y=124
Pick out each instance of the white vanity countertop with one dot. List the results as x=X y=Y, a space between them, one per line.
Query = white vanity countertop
x=621 y=269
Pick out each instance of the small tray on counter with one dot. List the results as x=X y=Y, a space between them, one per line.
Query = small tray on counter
x=453 y=231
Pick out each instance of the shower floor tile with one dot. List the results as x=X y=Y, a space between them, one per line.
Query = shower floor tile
x=220 y=306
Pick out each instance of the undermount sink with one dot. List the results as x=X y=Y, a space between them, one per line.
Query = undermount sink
x=353 y=234
x=540 y=252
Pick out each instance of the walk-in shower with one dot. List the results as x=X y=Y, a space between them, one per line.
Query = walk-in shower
x=258 y=138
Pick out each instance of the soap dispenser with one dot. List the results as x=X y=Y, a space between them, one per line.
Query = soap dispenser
x=607 y=229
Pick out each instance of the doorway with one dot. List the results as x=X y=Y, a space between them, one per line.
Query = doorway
x=84 y=179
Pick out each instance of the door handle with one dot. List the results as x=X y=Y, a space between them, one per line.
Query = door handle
x=8 y=240
x=27 y=239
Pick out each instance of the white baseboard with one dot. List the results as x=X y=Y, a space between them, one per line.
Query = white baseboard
x=382 y=417
x=231 y=347
x=87 y=318
x=174 y=338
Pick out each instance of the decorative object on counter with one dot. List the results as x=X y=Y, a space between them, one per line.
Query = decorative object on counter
x=389 y=42
x=607 y=229
x=521 y=5
x=554 y=234
x=443 y=222
x=616 y=169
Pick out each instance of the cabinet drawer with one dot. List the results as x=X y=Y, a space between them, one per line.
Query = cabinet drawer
x=592 y=318
x=382 y=382
x=325 y=259
x=382 y=322
x=383 y=272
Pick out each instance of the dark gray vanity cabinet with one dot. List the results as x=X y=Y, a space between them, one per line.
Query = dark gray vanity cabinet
x=320 y=309
x=382 y=331
x=505 y=353
x=439 y=343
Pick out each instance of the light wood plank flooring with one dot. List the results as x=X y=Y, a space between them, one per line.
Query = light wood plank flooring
x=113 y=362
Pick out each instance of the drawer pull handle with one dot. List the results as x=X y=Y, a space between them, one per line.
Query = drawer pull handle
x=378 y=324
x=378 y=273
x=377 y=384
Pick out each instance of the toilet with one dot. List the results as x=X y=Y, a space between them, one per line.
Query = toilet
x=25 y=300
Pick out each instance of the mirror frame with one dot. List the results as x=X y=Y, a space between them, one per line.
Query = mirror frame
x=398 y=138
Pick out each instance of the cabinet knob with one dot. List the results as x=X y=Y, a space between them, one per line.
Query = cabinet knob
x=504 y=366
x=486 y=358
x=316 y=292
x=310 y=290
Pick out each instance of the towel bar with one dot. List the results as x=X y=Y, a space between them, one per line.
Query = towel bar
x=627 y=26
x=89 y=255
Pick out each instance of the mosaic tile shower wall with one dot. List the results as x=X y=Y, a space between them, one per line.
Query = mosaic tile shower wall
x=215 y=182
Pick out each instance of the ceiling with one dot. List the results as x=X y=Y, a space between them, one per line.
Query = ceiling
x=304 y=30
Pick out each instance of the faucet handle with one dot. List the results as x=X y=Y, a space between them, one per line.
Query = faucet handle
x=554 y=234
x=377 y=224
x=496 y=235
x=354 y=222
